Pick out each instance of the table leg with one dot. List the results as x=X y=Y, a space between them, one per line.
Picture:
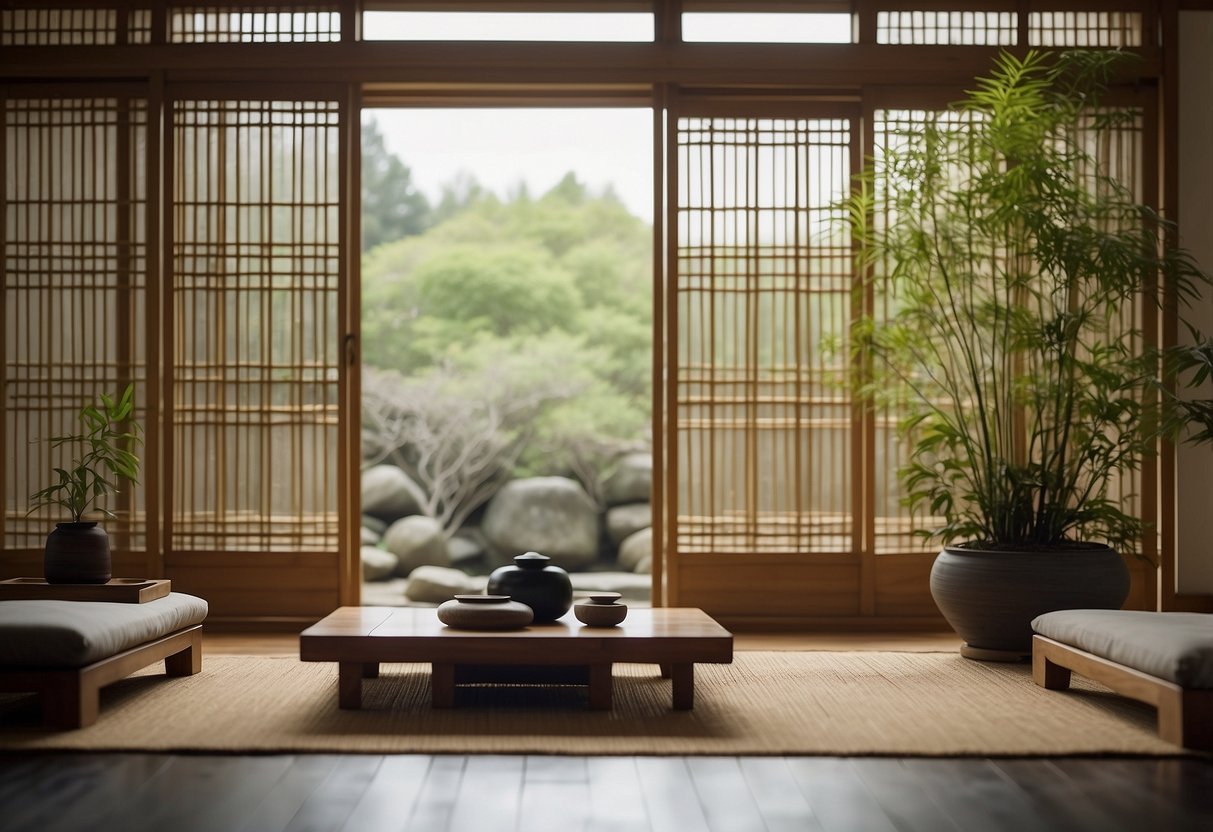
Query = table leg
x=349 y=685
x=370 y=670
x=442 y=685
x=600 y=687
x=665 y=670
x=683 y=675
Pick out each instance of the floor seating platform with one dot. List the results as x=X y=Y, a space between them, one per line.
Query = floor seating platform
x=1164 y=659
x=66 y=651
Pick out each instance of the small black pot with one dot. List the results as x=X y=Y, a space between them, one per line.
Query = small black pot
x=545 y=589
x=991 y=596
x=77 y=553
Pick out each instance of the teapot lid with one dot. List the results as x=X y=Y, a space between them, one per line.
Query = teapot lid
x=532 y=560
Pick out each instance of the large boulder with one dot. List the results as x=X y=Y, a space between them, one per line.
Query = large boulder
x=637 y=551
x=388 y=493
x=631 y=481
x=550 y=515
x=622 y=521
x=370 y=537
x=466 y=546
x=374 y=524
x=377 y=564
x=418 y=541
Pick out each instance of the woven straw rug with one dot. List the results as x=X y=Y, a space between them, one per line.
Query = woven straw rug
x=809 y=703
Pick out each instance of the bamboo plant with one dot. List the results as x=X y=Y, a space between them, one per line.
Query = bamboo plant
x=105 y=454
x=1017 y=270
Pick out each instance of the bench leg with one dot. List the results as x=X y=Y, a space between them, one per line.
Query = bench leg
x=1047 y=673
x=69 y=700
x=187 y=662
x=1185 y=717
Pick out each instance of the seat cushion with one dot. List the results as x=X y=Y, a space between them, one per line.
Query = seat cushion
x=75 y=633
x=1176 y=646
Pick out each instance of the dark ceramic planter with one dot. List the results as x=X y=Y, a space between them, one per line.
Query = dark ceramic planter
x=77 y=553
x=990 y=597
x=545 y=589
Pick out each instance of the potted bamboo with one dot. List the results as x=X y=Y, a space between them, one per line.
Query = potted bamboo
x=77 y=551
x=1012 y=261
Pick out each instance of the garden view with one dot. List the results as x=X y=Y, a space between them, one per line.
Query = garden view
x=506 y=382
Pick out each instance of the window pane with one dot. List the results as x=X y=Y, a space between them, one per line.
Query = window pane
x=730 y=27
x=516 y=26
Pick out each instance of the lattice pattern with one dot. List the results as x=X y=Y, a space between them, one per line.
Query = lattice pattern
x=1119 y=151
x=954 y=28
x=255 y=24
x=1075 y=29
x=763 y=433
x=72 y=265
x=74 y=27
x=255 y=264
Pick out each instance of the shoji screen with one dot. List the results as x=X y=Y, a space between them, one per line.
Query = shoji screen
x=253 y=346
x=762 y=433
x=73 y=266
x=1120 y=151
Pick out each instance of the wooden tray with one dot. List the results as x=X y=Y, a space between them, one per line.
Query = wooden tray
x=118 y=590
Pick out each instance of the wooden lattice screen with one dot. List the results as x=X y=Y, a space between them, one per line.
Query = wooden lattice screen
x=254 y=342
x=73 y=262
x=761 y=430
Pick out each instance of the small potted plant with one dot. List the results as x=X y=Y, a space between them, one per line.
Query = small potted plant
x=1012 y=264
x=77 y=551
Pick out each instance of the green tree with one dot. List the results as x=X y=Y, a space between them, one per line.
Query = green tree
x=537 y=291
x=392 y=207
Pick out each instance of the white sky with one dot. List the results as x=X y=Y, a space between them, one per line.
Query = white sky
x=502 y=147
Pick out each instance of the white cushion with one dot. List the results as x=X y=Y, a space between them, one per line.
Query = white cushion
x=75 y=633
x=1176 y=646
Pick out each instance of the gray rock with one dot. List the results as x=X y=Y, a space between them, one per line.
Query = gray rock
x=634 y=550
x=374 y=524
x=466 y=545
x=623 y=521
x=370 y=537
x=550 y=515
x=377 y=565
x=417 y=541
x=645 y=567
x=631 y=481
x=388 y=493
x=435 y=584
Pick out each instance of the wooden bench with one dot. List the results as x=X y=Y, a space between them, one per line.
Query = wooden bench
x=1162 y=659
x=66 y=651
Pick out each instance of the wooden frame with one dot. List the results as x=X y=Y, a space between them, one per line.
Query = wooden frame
x=661 y=74
x=70 y=698
x=1185 y=716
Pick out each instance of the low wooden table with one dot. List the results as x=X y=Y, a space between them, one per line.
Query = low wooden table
x=359 y=638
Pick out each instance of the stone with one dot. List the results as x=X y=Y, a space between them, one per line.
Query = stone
x=550 y=515
x=631 y=481
x=438 y=584
x=374 y=524
x=388 y=493
x=623 y=521
x=633 y=550
x=466 y=545
x=370 y=537
x=418 y=541
x=645 y=567
x=377 y=564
